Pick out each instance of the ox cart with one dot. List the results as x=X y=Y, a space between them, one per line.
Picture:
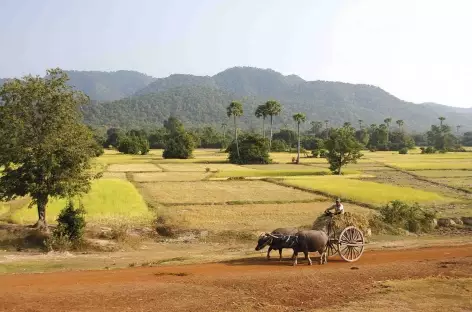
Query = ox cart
x=349 y=244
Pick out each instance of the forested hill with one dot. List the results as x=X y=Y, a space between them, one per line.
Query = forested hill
x=202 y=100
x=107 y=86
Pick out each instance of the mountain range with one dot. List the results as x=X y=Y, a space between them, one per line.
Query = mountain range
x=131 y=99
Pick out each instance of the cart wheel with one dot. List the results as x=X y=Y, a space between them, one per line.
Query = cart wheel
x=351 y=244
x=331 y=249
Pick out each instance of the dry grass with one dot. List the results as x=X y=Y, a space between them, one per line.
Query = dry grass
x=222 y=192
x=422 y=295
x=168 y=176
x=133 y=168
x=443 y=173
x=199 y=167
x=462 y=182
x=114 y=175
x=253 y=217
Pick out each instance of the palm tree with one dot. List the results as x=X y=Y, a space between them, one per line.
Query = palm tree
x=441 y=119
x=316 y=126
x=326 y=124
x=400 y=124
x=387 y=122
x=261 y=112
x=272 y=108
x=224 y=125
x=347 y=124
x=360 y=123
x=235 y=109
x=299 y=118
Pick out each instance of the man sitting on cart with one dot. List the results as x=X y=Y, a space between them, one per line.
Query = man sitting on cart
x=337 y=207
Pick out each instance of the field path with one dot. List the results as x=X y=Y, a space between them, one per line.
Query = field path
x=241 y=285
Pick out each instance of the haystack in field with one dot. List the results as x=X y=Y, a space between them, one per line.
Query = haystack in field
x=342 y=221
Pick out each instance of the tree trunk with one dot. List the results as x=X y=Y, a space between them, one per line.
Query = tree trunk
x=340 y=164
x=270 y=141
x=224 y=137
x=298 y=146
x=42 y=202
x=236 y=135
x=263 y=127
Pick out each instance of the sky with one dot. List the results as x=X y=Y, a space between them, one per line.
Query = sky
x=417 y=50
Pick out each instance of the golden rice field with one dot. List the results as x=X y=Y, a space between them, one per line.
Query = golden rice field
x=444 y=173
x=366 y=191
x=217 y=192
x=133 y=168
x=168 y=176
x=109 y=202
x=192 y=167
x=252 y=217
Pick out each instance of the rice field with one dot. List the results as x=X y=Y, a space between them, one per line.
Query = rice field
x=132 y=168
x=444 y=173
x=460 y=182
x=218 y=192
x=365 y=191
x=168 y=176
x=253 y=217
x=192 y=167
x=109 y=202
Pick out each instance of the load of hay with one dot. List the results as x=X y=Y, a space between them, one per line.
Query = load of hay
x=342 y=221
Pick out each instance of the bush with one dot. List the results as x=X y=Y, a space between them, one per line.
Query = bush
x=253 y=149
x=428 y=150
x=70 y=228
x=133 y=145
x=315 y=153
x=279 y=146
x=411 y=218
x=403 y=151
x=179 y=145
x=323 y=153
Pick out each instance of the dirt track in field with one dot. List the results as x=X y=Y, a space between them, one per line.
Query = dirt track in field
x=243 y=285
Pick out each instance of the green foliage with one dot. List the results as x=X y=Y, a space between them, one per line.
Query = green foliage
x=253 y=148
x=70 y=228
x=403 y=151
x=467 y=139
x=408 y=217
x=134 y=145
x=272 y=108
x=279 y=146
x=179 y=143
x=343 y=149
x=299 y=118
x=378 y=137
x=235 y=109
x=428 y=150
x=208 y=137
x=286 y=135
x=400 y=140
x=441 y=137
x=46 y=149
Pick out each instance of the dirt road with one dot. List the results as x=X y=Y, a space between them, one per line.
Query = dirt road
x=243 y=285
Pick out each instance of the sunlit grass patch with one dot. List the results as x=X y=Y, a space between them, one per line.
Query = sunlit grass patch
x=414 y=295
x=221 y=192
x=443 y=173
x=168 y=176
x=109 y=201
x=114 y=175
x=253 y=217
x=365 y=191
x=133 y=168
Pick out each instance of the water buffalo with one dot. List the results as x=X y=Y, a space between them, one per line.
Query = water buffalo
x=310 y=241
x=277 y=240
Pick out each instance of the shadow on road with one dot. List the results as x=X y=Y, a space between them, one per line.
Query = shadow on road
x=275 y=261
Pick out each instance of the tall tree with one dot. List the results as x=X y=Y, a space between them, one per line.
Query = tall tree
x=224 y=125
x=46 y=149
x=441 y=120
x=360 y=123
x=400 y=124
x=235 y=109
x=343 y=148
x=273 y=108
x=299 y=118
x=326 y=127
x=347 y=124
x=387 y=122
x=261 y=112
x=316 y=127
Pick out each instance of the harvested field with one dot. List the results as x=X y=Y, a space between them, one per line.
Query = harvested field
x=253 y=217
x=168 y=176
x=198 y=167
x=443 y=173
x=273 y=173
x=214 y=192
x=241 y=285
x=133 y=168
x=365 y=191
x=461 y=182
x=114 y=175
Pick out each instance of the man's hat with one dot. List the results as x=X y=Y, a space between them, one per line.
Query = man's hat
x=338 y=199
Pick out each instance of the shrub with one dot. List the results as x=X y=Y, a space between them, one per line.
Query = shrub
x=411 y=218
x=279 y=146
x=428 y=150
x=323 y=153
x=179 y=145
x=70 y=228
x=253 y=149
x=133 y=145
x=403 y=151
x=315 y=153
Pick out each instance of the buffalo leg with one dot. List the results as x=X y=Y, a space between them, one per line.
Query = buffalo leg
x=307 y=257
x=268 y=253
x=295 y=256
x=280 y=254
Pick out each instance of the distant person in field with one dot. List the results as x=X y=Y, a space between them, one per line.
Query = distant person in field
x=337 y=207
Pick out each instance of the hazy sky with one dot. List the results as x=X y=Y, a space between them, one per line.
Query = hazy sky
x=417 y=50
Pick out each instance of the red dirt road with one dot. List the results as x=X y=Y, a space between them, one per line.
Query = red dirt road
x=242 y=285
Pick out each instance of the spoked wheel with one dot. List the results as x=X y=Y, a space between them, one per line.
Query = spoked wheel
x=331 y=248
x=351 y=244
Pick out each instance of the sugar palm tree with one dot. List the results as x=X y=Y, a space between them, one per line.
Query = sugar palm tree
x=224 y=125
x=272 y=108
x=400 y=124
x=360 y=123
x=299 y=118
x=441 y=120
x=387 y=122
x=261 y=112
x=235 y=109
